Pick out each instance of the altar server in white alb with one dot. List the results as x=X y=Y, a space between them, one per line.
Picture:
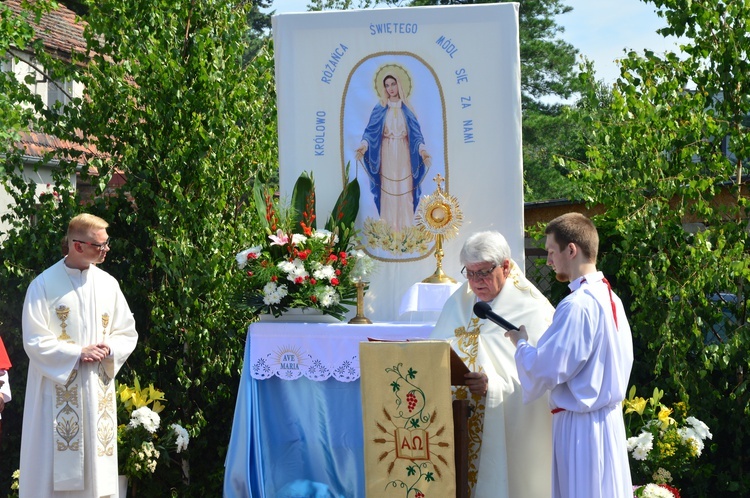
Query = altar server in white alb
x=584 y=360
x=78 y=331
x=510 y=444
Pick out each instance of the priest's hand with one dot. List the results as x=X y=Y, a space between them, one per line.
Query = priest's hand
x=94 y=353
x=477 y=382
x=517 y=335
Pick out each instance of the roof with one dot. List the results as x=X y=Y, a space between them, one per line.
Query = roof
x=61 y=30
x=37 y=144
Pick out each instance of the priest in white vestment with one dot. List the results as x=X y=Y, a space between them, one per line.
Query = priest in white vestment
x=78 y=331
x=584 y=360
x=510 y=450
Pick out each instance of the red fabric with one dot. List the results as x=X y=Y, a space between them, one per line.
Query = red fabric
x=4 y=360
x=614 y=309
x=611 y=300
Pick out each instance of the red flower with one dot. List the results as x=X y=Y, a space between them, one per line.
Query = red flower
x=313 y=281
x=419 y=495
x=338 y=272
x=249 y=274
x=314 y=298
x=332 y=258
x=672 y=490
x=299 y=280
x=334 y=281
x=274 y=278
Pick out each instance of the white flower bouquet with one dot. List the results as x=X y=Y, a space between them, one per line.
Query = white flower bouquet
x=663 y=442
x=141 y=446
x=297 y=265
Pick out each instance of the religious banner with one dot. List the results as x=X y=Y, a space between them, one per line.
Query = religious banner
x=407 y=419
x=405 y=100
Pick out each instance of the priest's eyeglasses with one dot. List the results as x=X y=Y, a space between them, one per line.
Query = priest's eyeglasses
x=101 y=247
x=477 y=275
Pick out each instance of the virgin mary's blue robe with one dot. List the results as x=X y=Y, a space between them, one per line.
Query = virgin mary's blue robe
x=373 y=135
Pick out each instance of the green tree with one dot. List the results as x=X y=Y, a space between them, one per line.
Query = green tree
x=665 y=160
x=171 y=109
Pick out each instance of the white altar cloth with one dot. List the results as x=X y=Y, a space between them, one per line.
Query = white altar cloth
x=318 y=351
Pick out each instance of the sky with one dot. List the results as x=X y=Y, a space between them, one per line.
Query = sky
x=599 y=29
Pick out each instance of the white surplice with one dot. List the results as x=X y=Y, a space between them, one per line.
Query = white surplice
x=69 y=438
x=584 y=360
x=510 y=443
x=5 y=387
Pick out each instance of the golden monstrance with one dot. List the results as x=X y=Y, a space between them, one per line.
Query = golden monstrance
x=438 y=214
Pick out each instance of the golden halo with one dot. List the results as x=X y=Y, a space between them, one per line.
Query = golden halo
x=401 y=74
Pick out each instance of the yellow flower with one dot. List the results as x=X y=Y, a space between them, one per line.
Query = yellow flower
x=133 y=398
x=636 y=405
x=664 y=417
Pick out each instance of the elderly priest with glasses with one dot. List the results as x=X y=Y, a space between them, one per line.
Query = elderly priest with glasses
x=510 y=449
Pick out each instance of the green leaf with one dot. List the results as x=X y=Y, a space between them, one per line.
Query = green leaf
x=303 y=201
x=345 y=210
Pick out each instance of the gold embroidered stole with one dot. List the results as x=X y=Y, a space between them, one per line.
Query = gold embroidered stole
x=70 y=402
x=467 y=344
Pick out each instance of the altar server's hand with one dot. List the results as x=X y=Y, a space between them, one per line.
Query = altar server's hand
x=517 y=335
x=477 y=382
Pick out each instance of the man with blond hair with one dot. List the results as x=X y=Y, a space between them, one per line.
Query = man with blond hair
x=78 y=331
x=584 y=361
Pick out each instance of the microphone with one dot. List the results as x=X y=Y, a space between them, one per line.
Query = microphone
x=484 y=310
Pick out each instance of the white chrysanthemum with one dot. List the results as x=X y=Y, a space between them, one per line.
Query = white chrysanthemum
x=326 y=235
x=286 y=266
x=298 y=239
x=640 y=453
x=700 y=428
x=328 y=297
x=656 y=491
x=243 y=256
x=325 y=272
x=690 y=437
x=146 y=417
x=183 y=438
x=641 y=445
x=273 y=294
x=294 y=270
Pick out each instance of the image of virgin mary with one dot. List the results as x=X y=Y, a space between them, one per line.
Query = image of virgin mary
x=393 y=151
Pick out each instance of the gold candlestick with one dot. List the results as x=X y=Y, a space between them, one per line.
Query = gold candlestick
x=360 y=318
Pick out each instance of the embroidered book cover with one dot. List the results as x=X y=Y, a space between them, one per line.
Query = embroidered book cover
x=407 y=419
